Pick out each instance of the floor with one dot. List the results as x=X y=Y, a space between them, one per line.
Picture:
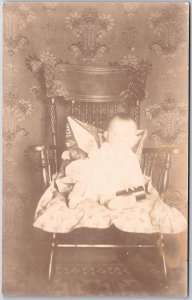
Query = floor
x=91 y=272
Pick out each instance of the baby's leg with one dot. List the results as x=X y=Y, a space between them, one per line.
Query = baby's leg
x=122 y=202
x=77 y=194
x=80 y=193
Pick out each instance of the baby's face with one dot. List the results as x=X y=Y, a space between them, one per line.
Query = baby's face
x=122 y=133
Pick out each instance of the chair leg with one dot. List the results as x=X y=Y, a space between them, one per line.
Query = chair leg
x=52 y=258
x=164 y=261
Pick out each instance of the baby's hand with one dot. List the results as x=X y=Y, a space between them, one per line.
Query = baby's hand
x=57 y=176
x=132 y=187
x=105 y=198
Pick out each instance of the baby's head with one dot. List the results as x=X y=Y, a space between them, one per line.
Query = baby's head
x=121 y=131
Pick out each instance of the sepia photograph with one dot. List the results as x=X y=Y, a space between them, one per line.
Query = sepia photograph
x=95 y=149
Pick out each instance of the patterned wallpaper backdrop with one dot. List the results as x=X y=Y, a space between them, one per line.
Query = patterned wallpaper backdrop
x=86 y=33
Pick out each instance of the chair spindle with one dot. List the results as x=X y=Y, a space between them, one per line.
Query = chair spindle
x=137 y=113
x=54 y=131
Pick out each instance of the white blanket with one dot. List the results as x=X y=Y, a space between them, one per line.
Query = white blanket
x=92 y=202
x=147 y=216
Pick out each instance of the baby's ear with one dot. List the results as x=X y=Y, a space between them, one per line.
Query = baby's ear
x=105 y=135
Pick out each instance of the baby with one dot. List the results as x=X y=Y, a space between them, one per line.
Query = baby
x=112 y=168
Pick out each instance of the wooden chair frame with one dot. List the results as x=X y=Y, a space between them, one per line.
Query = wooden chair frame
x=150 y=156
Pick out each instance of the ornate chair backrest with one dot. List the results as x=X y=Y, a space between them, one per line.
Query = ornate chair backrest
x=156 y=163
x=92 y=94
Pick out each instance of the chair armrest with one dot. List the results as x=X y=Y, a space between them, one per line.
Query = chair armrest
x=165 y=150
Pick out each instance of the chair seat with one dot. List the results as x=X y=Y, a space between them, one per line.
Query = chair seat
x=109 y=236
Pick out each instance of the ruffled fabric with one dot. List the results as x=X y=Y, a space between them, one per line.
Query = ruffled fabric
x=105 y=172
x=151 y=215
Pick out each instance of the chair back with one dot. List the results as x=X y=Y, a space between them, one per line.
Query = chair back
x=93 y=94
x=156 y=163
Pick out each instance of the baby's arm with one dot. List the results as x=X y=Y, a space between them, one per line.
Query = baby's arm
x=149 y=187
x=136 y=178
x=64 y=163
